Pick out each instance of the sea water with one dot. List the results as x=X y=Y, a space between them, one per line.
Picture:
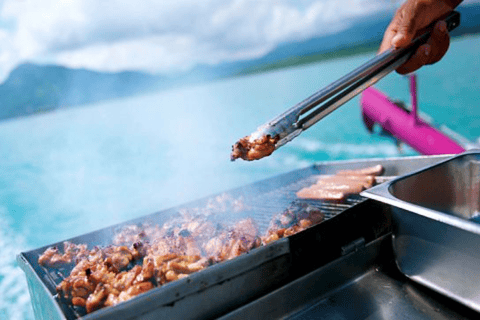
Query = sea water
x=79 y=169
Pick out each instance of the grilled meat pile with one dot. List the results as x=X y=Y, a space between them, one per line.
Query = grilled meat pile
x=107 y=276
x=146 y=256
x=156 y=255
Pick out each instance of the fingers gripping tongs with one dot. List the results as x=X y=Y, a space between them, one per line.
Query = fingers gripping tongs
x=303 y=115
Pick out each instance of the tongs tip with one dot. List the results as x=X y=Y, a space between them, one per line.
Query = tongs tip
x=266 y=139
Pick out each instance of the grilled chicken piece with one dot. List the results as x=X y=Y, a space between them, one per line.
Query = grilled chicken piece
x=114 y=299
x=294 y=219
x=96 y=300
x=119 y=258
x=232 y=243
x=253 y=150
x=52 y=257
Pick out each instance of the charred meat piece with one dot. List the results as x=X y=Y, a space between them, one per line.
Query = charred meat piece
x=171 y=268
x=114 y=299
x=246 y=229
x=177 y=245
x=188 y=246
x=198 y=230
x=96 y=300
x=310 y=213
x=296 y=212
x=118 y=257
x=255 y=149
x=294 y=219
x=129 y=234
x=52 y=257
x=138 y=250
x=232 y=243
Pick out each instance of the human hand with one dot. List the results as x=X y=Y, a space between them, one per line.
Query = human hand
x=407 y=24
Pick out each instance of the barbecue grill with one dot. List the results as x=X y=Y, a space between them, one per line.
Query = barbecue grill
x=347 y=255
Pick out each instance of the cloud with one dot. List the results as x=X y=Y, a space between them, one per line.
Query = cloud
x=164 y=36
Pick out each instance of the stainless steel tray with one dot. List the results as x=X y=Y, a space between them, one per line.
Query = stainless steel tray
x=435 y=236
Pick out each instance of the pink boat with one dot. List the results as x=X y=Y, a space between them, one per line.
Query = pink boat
x=406 y=125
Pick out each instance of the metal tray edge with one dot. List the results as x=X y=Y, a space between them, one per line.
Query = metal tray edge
x=382 y=194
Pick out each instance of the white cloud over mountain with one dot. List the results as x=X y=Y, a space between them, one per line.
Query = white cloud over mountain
x=163 y=36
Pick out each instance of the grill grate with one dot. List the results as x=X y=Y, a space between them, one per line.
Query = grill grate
x=264 y=206
x=260 y=206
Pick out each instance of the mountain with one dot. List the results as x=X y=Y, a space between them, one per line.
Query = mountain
x=33 y=88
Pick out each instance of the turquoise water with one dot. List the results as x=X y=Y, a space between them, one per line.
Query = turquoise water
x=76 y=170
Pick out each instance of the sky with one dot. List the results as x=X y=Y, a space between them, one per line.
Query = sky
x=164 y=37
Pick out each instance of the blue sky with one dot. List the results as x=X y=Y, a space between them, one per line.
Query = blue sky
x=164 y=36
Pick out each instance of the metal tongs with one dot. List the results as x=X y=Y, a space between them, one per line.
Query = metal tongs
x=303 y=115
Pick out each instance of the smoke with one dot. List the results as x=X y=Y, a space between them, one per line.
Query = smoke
x=347 y=150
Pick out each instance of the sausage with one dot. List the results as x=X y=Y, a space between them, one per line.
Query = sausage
x=344 y=183
x=321 y=194
x=366 y=181
x=370 y=171
x=347 y=188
